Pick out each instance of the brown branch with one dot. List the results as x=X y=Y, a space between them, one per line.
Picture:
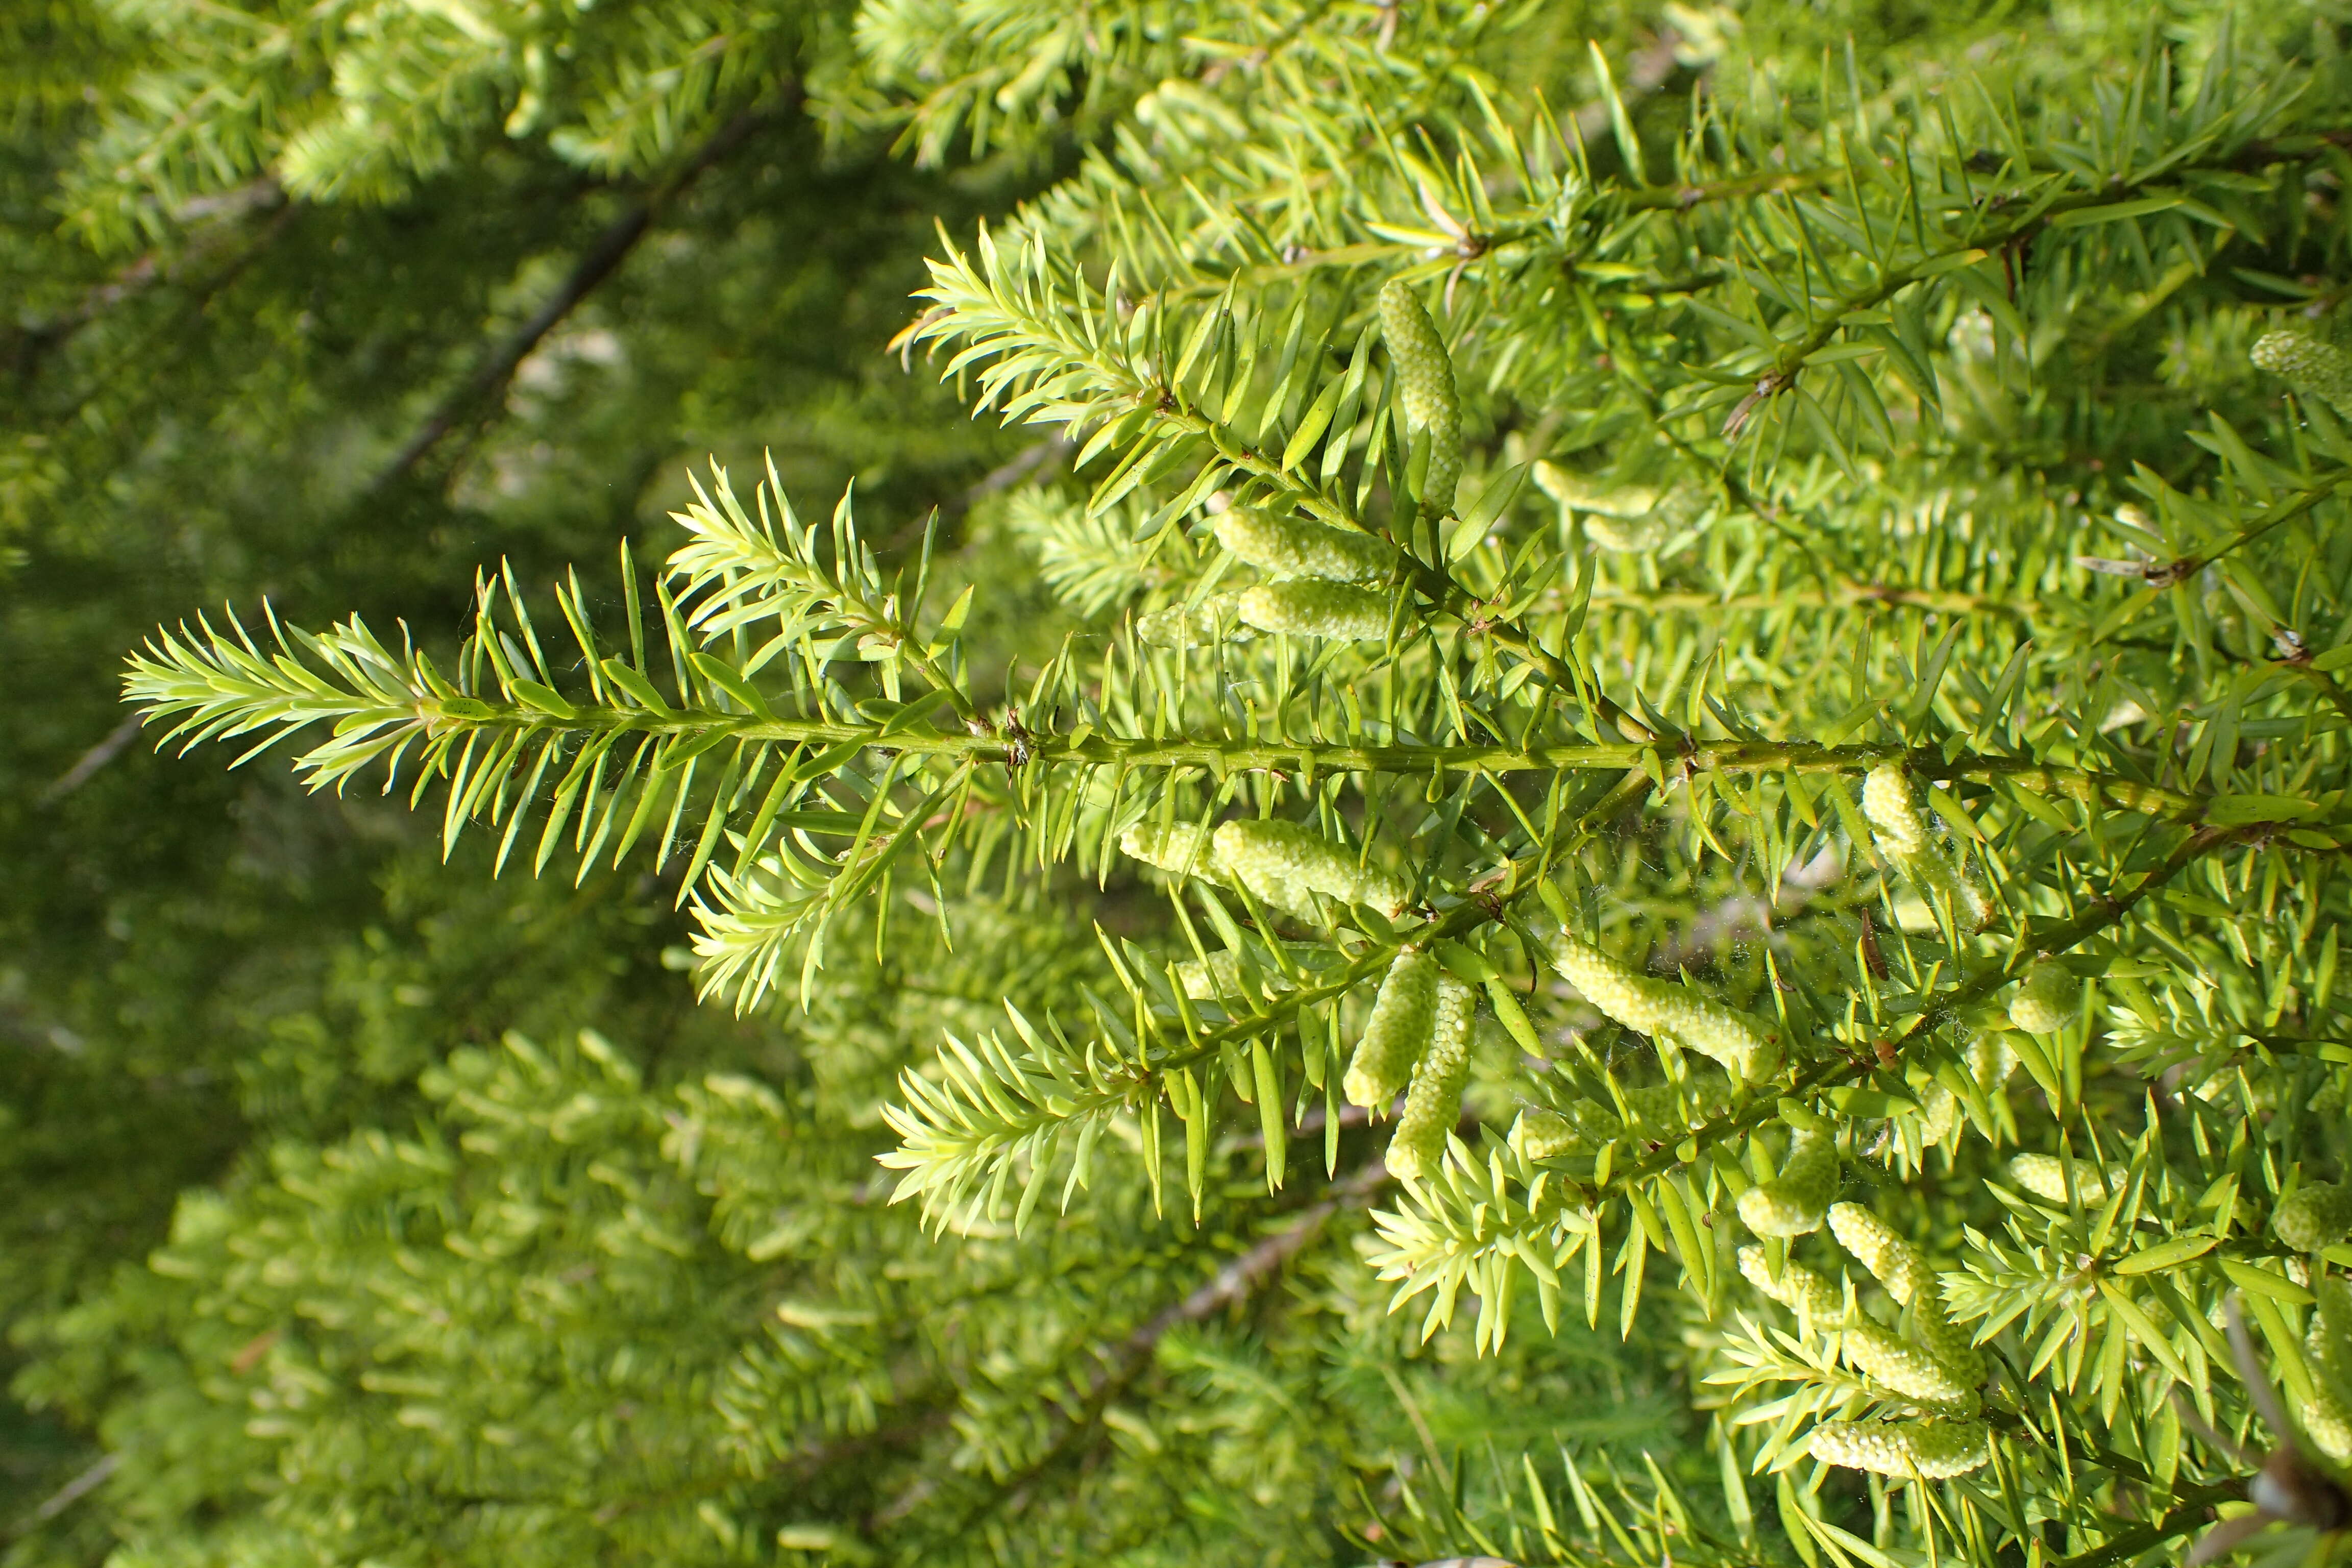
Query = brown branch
x=72 y=1493
x=225 y=210
x=1123 y=1361
x=598 y=262
x=1240 y=1278
x=1005 y=475
x=97 y=757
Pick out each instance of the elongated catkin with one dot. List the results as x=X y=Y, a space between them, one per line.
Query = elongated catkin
x=1433 y=1102
x=2315 y=1215
x=1425 y=388
x=1403 y=1021
x=1282 y=863
x=1797 y=1201
x=1904 y=1271
x=2327 y=1349
x=1743 y=1044
x=1178 y=848
x=1907 y=1368
x=2312 y=366
x=1294 y=547
x=1798 y=1289
x=1936 y=1450
x=1310 y=607
x=2044 y=1176
x=1903 y=836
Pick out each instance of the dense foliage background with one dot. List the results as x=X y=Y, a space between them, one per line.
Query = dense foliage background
x=498 y=338
x=366 y=1208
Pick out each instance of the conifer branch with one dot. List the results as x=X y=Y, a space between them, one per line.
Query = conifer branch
x=212 y=678
x=1464 y=1229
x=1319 y=707
x=2045 y=209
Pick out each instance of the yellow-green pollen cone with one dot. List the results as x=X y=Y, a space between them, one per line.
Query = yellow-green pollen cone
x=1904 y=835
x=1661 y=1109
x=2315 y=1215
x=2044 y=1175
x=1623 y=517
x=1656 y=1110
x=1990 y=1062
x=1747 y=1046
x=1433 y=1102
x=1404 y=1018
x=1898 y=1265
x=1896 y=821
x=1294 y=547
x=1425 y=388
x=1542 y=1135
x=1197 y=626
x=1945 y=1339
x=2044 y=1002
x=1310 y=607
x=1943 y=1116
x=2327 y=1349
x=1893 y=1260
x=1222 y=976
x=1282 y=863
x=1934 y=1451
x=1797 y=1201
x=1798 y=1289
x=1179 y=849
x=2312 y=366
x=2327 y=1421
x=1907 y=1369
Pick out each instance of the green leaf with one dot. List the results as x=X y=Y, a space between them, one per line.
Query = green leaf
x=1501 y=490
x=1621 y=123
x=636 y=685
x=725 y=677
x=1317 y=420
x=2114 y=211
x=1466 y=965
x=917 y=712
x=2263 y=1282
x=2235 y=810
x=1514 y=1019
x=2144 y=1331
x=1869 y=1102
x=545 y=698
x=2167 y=1255
x=685 y=748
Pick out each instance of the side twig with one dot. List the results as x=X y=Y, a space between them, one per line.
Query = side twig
x=598 y=262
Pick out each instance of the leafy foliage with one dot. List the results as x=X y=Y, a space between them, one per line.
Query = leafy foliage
x=1764 y=667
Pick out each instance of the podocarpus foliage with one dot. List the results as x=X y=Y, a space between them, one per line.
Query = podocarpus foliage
x=1804 y=655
